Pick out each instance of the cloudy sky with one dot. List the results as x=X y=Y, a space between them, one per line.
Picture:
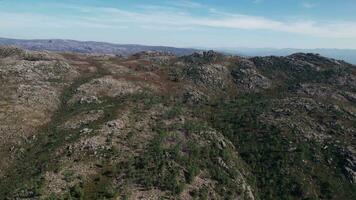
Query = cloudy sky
x=186 y=23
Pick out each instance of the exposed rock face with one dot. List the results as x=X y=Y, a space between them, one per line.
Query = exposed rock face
x=193 y=96
x=153 y=126
x=350 y=166
x=247 y=77
x=15 y=52
x=207 y=75
x=10 y=52
x=151 y=54
x=351 y=96
x=322 y=91
x=106 y=87
x=204 y=57
x=84 y=118
x=30 y=87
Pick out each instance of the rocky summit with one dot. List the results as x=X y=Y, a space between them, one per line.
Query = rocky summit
x=153 y=125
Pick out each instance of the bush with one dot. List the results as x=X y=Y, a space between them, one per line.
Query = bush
x=76 y=192
x=173 y=112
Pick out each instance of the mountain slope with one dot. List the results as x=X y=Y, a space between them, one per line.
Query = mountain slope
x=157 y=126
x=349 y=55
x=73 y=46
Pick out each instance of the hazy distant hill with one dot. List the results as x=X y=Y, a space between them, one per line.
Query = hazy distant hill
x=59 y=45
x=348 y=55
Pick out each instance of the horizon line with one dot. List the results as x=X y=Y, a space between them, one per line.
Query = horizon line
x=182 y=47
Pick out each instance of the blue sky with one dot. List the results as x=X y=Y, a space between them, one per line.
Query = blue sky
x=186 y=23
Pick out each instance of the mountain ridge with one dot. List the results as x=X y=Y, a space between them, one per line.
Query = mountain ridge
x=348 y=55
x=156 y=126
x=67 y=45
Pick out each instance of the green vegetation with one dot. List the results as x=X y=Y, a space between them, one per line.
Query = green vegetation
x=153 y=142
x=156 y=167
x=171 y=168
x=39 y=157
x=285 y=166
x=173 y=112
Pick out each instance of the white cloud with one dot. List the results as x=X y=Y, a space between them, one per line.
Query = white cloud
x=186 y=4
x=313 y=28
x=156 y=17
x=308 y=5
x=257 y=1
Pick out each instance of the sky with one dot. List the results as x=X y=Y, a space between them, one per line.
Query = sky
x=186 y=23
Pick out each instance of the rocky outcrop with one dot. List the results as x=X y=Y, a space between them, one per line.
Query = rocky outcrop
x=193 y=96
x=92 y=91
x=350 y=164
x=247 y=77
x=207 y=75
x=31 y=84
x=204 y=57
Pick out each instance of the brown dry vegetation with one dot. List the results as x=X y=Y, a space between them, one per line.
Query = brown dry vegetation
x=155 y=126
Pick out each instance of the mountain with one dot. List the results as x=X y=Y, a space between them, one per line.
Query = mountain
x=73 y=46
x=90 y=47
x=349 y=55
x=154 y=125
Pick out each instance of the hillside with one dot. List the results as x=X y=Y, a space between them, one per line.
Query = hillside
x=349 y=55
x=73 y=46
x=153 y=125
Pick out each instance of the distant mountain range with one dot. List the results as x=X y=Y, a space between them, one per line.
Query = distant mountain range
x=59 y=45
x=348 y=55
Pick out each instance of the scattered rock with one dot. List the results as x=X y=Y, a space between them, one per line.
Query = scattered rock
x=247 y=78
x=116 y=124
x=193 y=96
x=86 y=131
x=89 y=99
